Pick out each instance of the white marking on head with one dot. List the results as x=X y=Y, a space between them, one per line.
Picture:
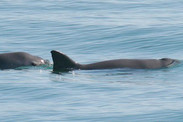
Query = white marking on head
x=42 y=61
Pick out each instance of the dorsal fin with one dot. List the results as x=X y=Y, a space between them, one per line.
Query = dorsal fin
x=61 y=62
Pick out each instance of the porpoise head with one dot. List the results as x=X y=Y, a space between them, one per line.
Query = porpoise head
x=167 y=62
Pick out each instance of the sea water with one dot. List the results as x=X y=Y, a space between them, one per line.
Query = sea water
x=90 y=31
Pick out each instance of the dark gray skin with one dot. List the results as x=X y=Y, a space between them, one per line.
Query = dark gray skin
x=61 y=62
x=19 y=59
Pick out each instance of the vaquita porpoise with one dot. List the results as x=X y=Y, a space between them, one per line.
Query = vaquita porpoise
x=18 y=59
x=61 y=62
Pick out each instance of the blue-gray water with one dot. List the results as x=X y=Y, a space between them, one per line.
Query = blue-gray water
x=89 y=31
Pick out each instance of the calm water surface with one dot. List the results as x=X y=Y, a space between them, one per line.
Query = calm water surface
x=90 y=31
